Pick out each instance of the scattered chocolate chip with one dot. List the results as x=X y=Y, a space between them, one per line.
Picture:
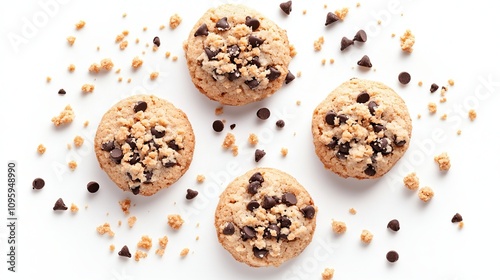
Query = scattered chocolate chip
x=256 y=177
x=370 y=170
x=289 y=199
x=124 y=252
x=255 y=41
x=116 y=155
x=404 y=78
x=156 y=133
x=252 y=205
x=273 y=74
x=202 y=30
x=253 y=187
x=372 y=107
x=61 y=91
x=252 y=23
x=393 y=225
x=218 y=126
x=330 y=117
x=234 y=75
x=377 y=127
x=252 y=83
x=267 y=232
x=333 y=143
x=191 y=194
x=365 y=62
x=59 y=205
x=247 y=233
x=456 y=218
x=286 y=7
x=259 y=154
x=308 y=212
x=228 y=229
x=140 y=106
x=260 y=253
x=172 y=145
x=263 y=113
x=345 y=42
x=392 y=256
x=156 y=41
x=222 y=24
x=284 y=222
x=134 y=159
x=108 y=146
x=280 y=123
x=232 y=126
x=331 y=18
x=289 y=77
x=211 y=54
x=342 y=118
x=363 y=97
x=434 y=87
x=38 y=184
x=135 y=190
x=360 y=36
x=268 y=202
x=92 y=187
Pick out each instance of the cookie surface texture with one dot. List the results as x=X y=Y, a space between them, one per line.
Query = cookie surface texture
x=237 y=56
x=361 y=129
x=144 y=144
x=265 y=217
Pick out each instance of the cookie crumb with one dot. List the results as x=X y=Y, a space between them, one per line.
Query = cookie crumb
x=459 y=132
x=341 y=13
x=234 y=150
x=353 y=211
x=461 y=225
x=442 y=100
x=78 y=141
x=68 y=146
x=444 y=90
x=451 y=82
x=175 y=221
x=327 y=274
x=299 y=74
x=41 y=149
x=86 y=123
x=136 y=62
x=253 y=139
x=420 y=83
x=323 y=61
x=379 y=22
x=443 y=161
x=162 y=242
x=105 y=229
x=71 y=68
x=167 y=54
x=419 y=116
x=48 y=79
x=444 y=117
x=124 y=15
x=79 y=25
x=411 y=181
x=338 y=227
x=129 y=80
x=425 y=194
x=298 y=102
x=358 y=5
x=293 y=50
x=229 y=141
x=472 y=115
x=366 y=236
x=154 y=75
x=200 y=178
x=125 y=205
x=407 y=40
x=304 y=12
x=71 y=40
x=145 y=242
x=174 y=58
x=319 y=43
x=119 y=223
x=284 y=151
x=332 y=60
x=219 y=110
x=393 y=35
x=175 y=20
x=94 y=68
x=131 y=221
x=73 y=208
x=112 y=248
x=123 y=45
x=88 y=88
x=72 y=165
x=140 y=255
x=184 y=252
x=107 y=64
x=432 y=107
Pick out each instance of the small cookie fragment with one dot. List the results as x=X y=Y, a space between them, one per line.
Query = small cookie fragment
x=327 y=273
x=78 y=141
x=72 y=165
x=153 y=75
x=59 y=205
x=162 y=242
x=319 y=43
x=338 y=227
x=472 y=115
x=411 y=181
x=71 y=68
x=456 y=218
x=125 y=205
x=131 y=221
x=425 y=194
x=73 y=208
x=41 y=149
x=184 y=252
x=88 y=88
x=107 y=64
x=175 y=20
x=443 y=161
x=229 y=141
x=124 y=252
x=393 y=225
x=353 y=211
x=200 y=178
x=366 y=236
x=432 y=107
x=219 y=110
x=79 y=25
x=451 y=82
x=392 y=256
x=105 y=229
x=461 y=225
x=71 y=40
x=341 y=13
x=136 y=62
x=253 y=139
x=145 y=242
x=65 y=117
x=139 y=255
x=407 y=40
x=284 y=151
x=112 y=247
x=175 y=221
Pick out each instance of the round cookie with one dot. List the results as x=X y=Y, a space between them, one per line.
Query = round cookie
x=236 y=56
x=144 y=144
x=361 y=129
x=265 y=217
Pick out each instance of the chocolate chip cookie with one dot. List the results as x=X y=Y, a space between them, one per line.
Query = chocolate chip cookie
x=265 y=217
x=236 y=56
x=144 y=144
x=361 y=129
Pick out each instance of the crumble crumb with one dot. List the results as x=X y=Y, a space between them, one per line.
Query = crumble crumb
x=304 y=12
x=78 y=141
x=73 y=208
x=407 y=40
x=175 y=221
x=175 y=20
x=123 y=45
x=98 y=48
x=174 y=58
x=129 y=80
x=145 y=242
x=472 y=115
x=79 y=25
x=299 y=74
x=112 y=248
x=72 y=165
x=105 y=229
x=443 y=90
x=444 y=117
x=89 y=88
x=353 y=211
x=197 y=238
x=420 y=83
x=184 y=252
x=323 y=61
x=293 y=51
x=154 y=75
x=442 y=100
x=107 y=64
x=155 y=48
x=327 y=274
x=136 y=62
x=358 y=4
x=120 y=79
x=162 y=27
x=94 y=68
x=229 y=141
x=319 y=43
x=145 y=28
x=140 y=255
x=234 y=149
x=167 y=54
x=71 y=68
x=119 y=38
x=284 y=151
x=338 y=227
x=253 y=139
x=425 y=194
x=379 y=22
x=119 y=223
x=219 y=111
x=432 y=107
x=419 y=116
x=393 y=35
x=71 y=40
x=68 y=146
x=131 y=221
x=451 y=82
x=41 y=149
x=298 y=102
x=200 y=178
x=65 y=117
x=459 y=132
x=332 y=60
x=461 y=225
x=124 y=15
x=48 y=79
x=443 y=160
x=86 y=123
x=341 y=13
x=411 y=181
x=163 y=241
x=125 y=205
x=366 y=236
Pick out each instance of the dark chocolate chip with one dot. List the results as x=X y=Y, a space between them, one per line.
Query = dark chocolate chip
x=255 y=61
x=289 y=77
x=169 y=164
x=252 y=23
x=234 y=75
x=253 y=187
x=116 y=155
x=342 y=118
x=273 y=74
x=252 y=83
x=38 y=184
x=255 y=41
x=228 y=229
x=256 y=177
x=202 y=30
x=434 y=87
x=259 y=154
x=260 y=253
x=211 y=54
x=341 y=156
x=404 y=78
x=156 y=41
x=135 y=190
x=308 y=212
x=345 y=43
x=392 y=256
x=108 y=146
x=131 y=142
x=284 y=222
x=140 y=106
x=157 y=133
x=61 y=91
x=232 y=126
x=393 y=225
x=365 y=62
x=135 y=158
x=370 y=170
x=377 y=127
x=333 y=143
x=263 y=113
x=330 y=117
x=344 y=148
x=191 y=194
x=331 y=18
x=172 y=145
x=218 y=126
x=456 y=218
x=252 y=205
x=92 y=187
x=233 y=52
x=148 y=174
x=280 y=123
x=379 y=145
x=267 y=232
x=247 y=233
x=59 y=205
x=372 y=107
x=222 y=24
x=124 y=252
x=288 y=199
x=400 y=143
x=363 y=97
x=268 y=202
x=360 y=36
x=286 y=7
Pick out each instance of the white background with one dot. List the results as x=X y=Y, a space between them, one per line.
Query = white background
x=454 y=39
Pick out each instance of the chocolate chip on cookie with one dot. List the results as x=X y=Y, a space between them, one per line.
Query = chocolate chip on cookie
x=202 y=30
x=252 y=23
x=222 y=24
x=228 y=229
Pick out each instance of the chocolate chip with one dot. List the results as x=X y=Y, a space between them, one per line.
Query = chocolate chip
x=280 y=123
x=342 y=118
x=59 y=205
x=218 y=126
x=372 y=107
x=255 y=61
x=222 y=24
x=202 y=30
x=377 y=127
x=289 y=199
x=273 y=74
x=148 y=174
x=341 y=156
x=456 y=218
x=228 y=229
x=191 y=194
x=252 y=23
x=247 y=233
x=92 y=187
x=256 y=177
x=263 y=113
x=134 y=159
x=131 y=142
x=434 y=87
x=344 y=148
x=392 y=256
x=363 y=97
x=345 y=43
x=400 y=143
x=211 y=54
x=255 y=41
x=289 y=77
x=116 y=155
x=284 y=222
x=333 y=143
x=38 y=184
x=360 y=36
x=370 y=170
x=267 y=232
x=268 y=202
x=330 y=117
x=172 y=145
x=156 y=133
x=232 y=126
x=140 y=106
x=108 y=146
x=393 y=225
x=234 y=75
x=156 y=41
x=61 y=91
x=253 y=187
x=308 y=212
x=404 y=78
x=259 y=154
x=252 y=83
x=365 y=62
x=260 y=253
x=286 y=7
x=252 y=205
x=331 y=18
x=124 y=252
x=135 y=190
x=379 y=145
